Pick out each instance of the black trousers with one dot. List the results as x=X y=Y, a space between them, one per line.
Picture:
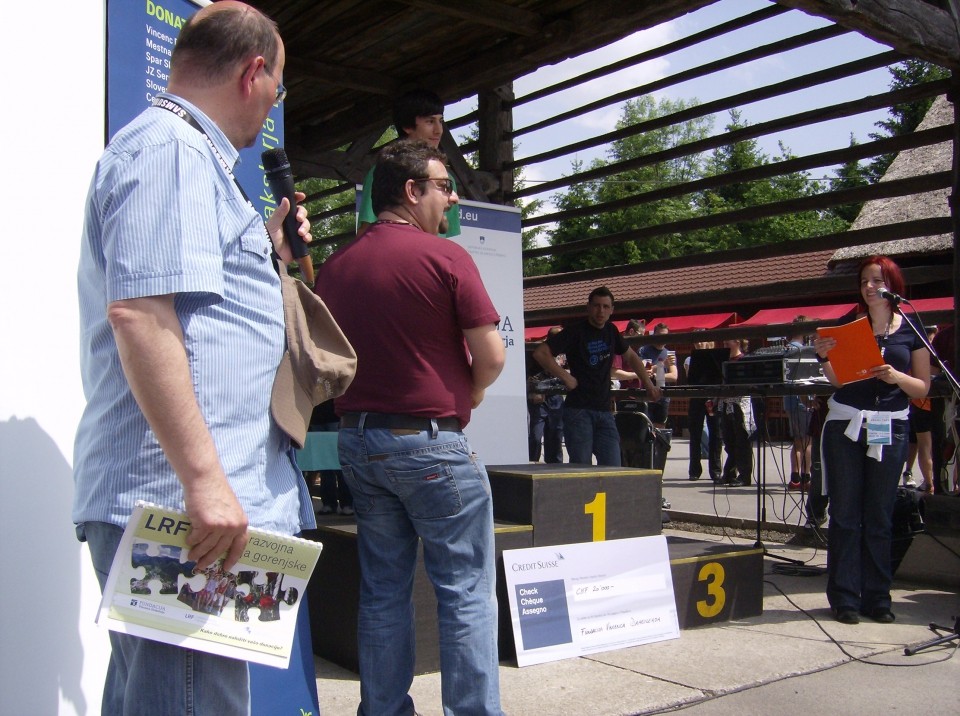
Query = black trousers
x=736 y=441
x=697 y=413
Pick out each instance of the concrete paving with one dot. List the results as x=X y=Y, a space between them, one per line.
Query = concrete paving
x=793 y=659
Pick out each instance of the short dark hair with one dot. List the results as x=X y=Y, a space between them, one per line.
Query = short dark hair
x=661 y=328
x=600 y=291
x=212 y=42
x=396 y=164
x=413 y=104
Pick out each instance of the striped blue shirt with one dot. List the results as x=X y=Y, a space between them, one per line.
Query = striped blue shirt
x=163 y=217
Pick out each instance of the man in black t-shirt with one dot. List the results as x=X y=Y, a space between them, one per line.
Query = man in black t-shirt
x=588 y=425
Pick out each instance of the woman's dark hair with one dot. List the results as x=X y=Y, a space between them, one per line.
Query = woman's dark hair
x=397 y=163
x=892 y=277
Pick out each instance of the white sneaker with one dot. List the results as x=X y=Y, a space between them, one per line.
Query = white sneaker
x=908 y=480
x=326 y=510
x=346 y=510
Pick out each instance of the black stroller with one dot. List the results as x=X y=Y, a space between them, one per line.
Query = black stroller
x=642 y=444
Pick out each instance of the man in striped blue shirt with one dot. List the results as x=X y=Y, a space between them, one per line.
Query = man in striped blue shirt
x=182 y=330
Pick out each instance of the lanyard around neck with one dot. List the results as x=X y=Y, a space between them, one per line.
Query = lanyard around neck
x=184 y=114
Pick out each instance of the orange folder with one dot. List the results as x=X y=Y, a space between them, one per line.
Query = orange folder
x=856 y=351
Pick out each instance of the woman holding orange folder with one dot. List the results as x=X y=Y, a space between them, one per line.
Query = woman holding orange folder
x=864 y=446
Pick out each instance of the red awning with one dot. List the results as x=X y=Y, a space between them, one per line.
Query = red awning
x=688 y=323
x=538 y=333
x=772 y=316
x=922 y=305
x=535 y=333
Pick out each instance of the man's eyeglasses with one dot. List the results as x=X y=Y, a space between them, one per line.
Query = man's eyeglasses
x=281 y=90
x=444 y=185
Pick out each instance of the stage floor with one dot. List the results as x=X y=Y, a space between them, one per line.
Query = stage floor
x=788 y=660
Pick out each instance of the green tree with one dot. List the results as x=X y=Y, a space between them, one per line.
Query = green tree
x=328 y=226
x=743 y=195
x=905 y=117
x=578 y=196
x=850 y=175
x=630 y=183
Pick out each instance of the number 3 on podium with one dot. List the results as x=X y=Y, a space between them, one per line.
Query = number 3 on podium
x=713 y=574
x=598 y=508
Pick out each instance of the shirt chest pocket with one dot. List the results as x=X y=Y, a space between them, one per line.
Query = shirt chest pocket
x=247 y=257
x=243 y=236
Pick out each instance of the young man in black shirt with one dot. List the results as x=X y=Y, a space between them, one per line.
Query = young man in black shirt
x=588 y=424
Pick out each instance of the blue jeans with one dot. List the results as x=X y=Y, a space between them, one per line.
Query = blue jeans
x=428 y=485
x=799 y=416
x=546 y=429
x=862 y=494
x=145 y=677
x=591 y=432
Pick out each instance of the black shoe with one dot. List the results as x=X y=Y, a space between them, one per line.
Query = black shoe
x=846 y=616
x=693 y=477
x=734 y=482
x=881 y=615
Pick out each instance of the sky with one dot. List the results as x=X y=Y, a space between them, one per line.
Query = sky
x=820 y=137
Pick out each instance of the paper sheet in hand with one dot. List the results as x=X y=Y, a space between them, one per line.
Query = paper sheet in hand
x=247 y=613
x=856 y=351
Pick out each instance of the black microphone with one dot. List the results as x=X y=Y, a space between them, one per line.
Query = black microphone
x=280 y=177
x=882 y=292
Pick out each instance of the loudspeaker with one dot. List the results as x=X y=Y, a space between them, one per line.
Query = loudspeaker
x=907 y=522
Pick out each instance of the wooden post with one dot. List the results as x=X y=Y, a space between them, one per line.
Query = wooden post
x=495 y=148
x=954 y=96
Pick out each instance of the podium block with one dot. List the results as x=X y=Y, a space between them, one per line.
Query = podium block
x=715 y=582
x=577 y=503
x=334 y=595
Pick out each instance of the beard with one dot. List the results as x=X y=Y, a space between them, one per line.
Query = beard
x=444 y=224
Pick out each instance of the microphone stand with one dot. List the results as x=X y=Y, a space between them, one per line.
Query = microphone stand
x=944 y=371
x=762 y=442
x=948 y=635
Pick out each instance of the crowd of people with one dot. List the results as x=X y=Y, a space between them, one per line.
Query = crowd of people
x=175 y=418
x=848 y=454
x=591 y=358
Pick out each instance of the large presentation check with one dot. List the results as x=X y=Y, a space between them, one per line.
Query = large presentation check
x=575 y=599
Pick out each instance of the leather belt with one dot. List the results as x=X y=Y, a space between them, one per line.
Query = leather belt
x=392 y=421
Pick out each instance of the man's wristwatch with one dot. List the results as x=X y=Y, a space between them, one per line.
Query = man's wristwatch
x=821 y=359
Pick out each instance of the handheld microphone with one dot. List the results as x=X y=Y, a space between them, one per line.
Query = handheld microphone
x=882 y=292
x=280 y=177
